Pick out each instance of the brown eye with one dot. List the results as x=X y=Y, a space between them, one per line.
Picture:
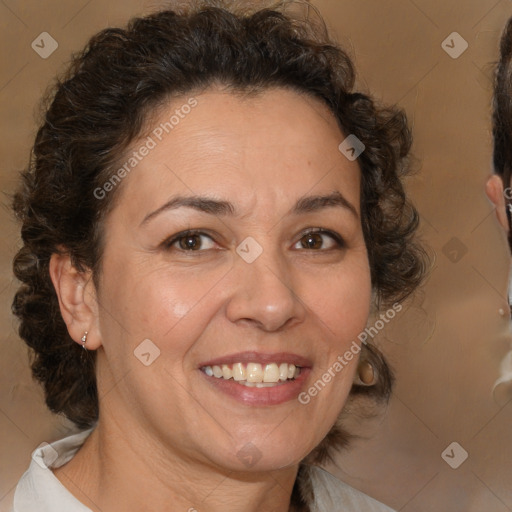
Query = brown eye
x=312 y=241
x=319 y=240
x=191 y=242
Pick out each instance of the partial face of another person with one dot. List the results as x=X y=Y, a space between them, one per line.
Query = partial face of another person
x=236 y=239
x=500 y=195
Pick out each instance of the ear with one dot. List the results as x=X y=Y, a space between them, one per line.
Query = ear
x=495 y=192
x=77 y=299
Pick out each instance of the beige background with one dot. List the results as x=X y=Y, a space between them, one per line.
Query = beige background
x=446 y=347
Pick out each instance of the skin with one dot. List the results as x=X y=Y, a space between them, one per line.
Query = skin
x=167 y=439
x=496 y=193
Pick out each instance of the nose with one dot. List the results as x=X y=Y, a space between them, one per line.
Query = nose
x=263 y=295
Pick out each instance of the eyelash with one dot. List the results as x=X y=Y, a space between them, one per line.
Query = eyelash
x=340 y=242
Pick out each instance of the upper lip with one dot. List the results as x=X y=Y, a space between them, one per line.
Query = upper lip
x=259 y=357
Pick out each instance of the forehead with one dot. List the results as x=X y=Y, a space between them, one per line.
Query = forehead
x=278 y=143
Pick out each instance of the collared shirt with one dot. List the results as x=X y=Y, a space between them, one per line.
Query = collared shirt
x=39 y=490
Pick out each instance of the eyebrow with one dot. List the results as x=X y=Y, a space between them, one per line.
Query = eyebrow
x=304 y=205
x=314 y=203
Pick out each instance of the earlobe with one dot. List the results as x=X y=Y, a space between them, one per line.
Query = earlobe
x=496 y=193
x=77 y=299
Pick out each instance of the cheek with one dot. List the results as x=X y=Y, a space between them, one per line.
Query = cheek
x=155 y=300
x=341 y=300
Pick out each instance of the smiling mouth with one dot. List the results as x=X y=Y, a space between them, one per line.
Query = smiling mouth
x=254 y=374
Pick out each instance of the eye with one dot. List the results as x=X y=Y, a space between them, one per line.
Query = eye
x=320 y=240
x=190 y=241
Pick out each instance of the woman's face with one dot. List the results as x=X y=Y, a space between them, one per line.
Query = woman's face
x=235 y=246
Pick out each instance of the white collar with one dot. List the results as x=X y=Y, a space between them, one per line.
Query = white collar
x=39 y=490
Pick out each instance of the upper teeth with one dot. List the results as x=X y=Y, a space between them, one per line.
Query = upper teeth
x=254 y=372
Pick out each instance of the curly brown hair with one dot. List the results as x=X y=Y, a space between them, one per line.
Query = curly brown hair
x=102 y=104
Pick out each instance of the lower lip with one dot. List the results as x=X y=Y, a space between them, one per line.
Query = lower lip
x=275 y=395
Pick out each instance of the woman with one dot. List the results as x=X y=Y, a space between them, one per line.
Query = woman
x=208 y=217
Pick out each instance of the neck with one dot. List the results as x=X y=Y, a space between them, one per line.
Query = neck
x=121 y=469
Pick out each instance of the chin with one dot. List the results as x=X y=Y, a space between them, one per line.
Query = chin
x=263 y=456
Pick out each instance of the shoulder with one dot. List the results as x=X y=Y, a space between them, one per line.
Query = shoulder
x=39 y=490
x=331 y=495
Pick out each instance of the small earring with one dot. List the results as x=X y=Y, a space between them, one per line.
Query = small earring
x=84 y=339
x=366 y=373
